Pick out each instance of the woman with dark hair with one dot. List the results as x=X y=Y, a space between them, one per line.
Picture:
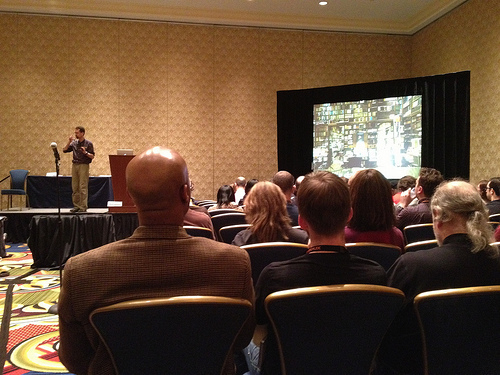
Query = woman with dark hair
x=265 y=209
x=225 y=199
x=249 y=185
x=373 y=215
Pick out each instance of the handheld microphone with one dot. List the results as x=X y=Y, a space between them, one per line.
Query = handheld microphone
x=54 y=148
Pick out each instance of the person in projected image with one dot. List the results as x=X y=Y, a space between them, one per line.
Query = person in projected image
x=373 y=216
x=159 y=260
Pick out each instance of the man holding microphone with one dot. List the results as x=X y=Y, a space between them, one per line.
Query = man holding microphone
x=83 y=153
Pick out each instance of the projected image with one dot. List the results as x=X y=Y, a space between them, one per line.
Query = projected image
x=384 y=134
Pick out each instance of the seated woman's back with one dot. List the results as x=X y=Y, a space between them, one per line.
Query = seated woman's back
x=373 y=215
x=225 y=199
x=265 y=209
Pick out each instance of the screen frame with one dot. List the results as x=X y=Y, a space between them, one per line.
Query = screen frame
x=445 y=119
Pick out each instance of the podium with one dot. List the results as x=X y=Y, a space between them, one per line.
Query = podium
x=118 y=164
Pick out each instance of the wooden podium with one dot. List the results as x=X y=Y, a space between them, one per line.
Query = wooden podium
x=118 y=164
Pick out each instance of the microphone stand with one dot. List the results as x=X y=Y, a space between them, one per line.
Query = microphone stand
x=53 y=309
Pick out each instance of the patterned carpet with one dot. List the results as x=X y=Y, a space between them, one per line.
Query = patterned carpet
x=29 y=344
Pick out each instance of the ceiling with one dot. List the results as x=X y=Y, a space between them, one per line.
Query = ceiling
x=404 y=17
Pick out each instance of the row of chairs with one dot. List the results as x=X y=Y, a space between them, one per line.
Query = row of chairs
x=425 y=232
x=193 y=334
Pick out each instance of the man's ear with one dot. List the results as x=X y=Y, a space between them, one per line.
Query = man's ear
x=185 y=193
x=419 y=190
x=303 y=223
x=350 y=215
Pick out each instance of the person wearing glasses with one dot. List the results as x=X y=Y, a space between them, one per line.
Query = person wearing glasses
x=493 y=194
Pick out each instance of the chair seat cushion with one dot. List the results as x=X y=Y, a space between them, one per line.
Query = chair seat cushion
x=13 y=192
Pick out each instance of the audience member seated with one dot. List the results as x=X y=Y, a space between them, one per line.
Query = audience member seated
x=285 y=180
x=158 y=260
x=250 y=184
x=198 y=218
x=464 y=258
x=324 y=207
x=225 y=199
x=427 y=182
x=298 y=180
x=493 y=195
x=265 y=209
x=481 y=188
x=404 y=183
x=239 y=189
x=373 y=216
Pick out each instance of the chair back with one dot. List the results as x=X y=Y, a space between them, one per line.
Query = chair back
x=199 y=231
x=228 y=233
x=419 y=232
x=18 y=178
x=262 y=254
x=383 y=254
x=220 y=211
x=494 y=218
x=333 y=329
x=179 y=335
x=421 y=245
x=226 y=219
x=460 y=330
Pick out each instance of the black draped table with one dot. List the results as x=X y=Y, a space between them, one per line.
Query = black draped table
x=42 y=191
x=80 y=233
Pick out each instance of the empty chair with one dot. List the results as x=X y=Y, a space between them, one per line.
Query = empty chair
x=419 y=232
x=383 y=254
x=495 y=218
x=219 y=211
x=228 y=233
x=460 y=330
x=224 y=220
x=178 y=335
x=206 y=203
x=421 y=245
x=262 y=254
x=332 y=329
x=198 y=231
x=17 y=187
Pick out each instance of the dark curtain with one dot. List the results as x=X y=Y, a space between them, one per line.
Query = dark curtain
x=445 y=119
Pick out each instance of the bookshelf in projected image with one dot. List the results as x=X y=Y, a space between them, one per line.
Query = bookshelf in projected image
x=384 y=134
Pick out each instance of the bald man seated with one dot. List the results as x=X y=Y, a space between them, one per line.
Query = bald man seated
x=159 y=260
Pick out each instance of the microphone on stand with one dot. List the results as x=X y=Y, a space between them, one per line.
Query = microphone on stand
x=54 y=148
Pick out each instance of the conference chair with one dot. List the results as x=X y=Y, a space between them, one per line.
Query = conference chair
x=220 y=211
x=334 y=329
x=228 y=233
x=460 y=330
x=262 y=254
x=199 y=231
x=178 y=335
x=383 y=254
x=495 y=218
x=206 y=202
x=17 y=187
x=226 y=219
x=419 y=232
x=421 y=245
x=494 y=224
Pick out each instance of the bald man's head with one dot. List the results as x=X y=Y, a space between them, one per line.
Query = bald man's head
x=157 y=180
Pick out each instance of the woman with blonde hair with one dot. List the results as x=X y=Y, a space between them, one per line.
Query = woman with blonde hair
x=265 y=209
